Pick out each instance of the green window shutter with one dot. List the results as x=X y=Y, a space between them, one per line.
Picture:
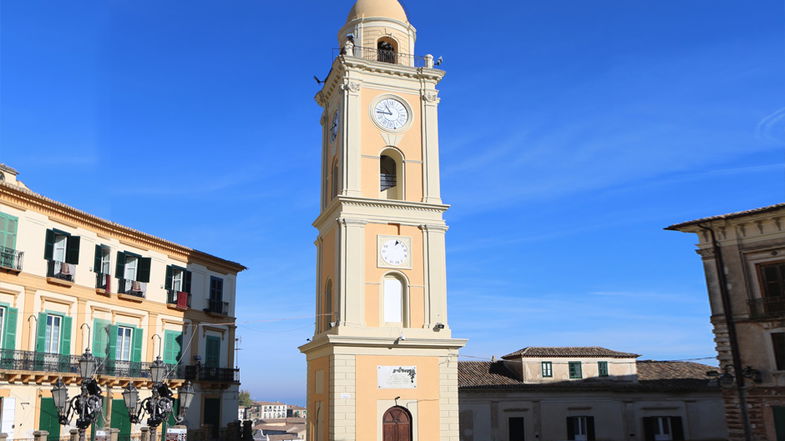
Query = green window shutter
x=65 y=336
x=97 y=259
x=111 y=344
x=120 y=265
x=9 y=340
x=143 y=274
x=602 y=367
x=168 y=282
x=187 y=282
x=41 y=337
x=49 y=419
x=8 y=225
x=136 y=350
x=100 y=337
x=212 y=351
x=49 y=245
x=72 y=250
x=172 y=346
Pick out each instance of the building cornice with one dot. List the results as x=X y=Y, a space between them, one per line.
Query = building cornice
x=29 y=200
x=376 y=342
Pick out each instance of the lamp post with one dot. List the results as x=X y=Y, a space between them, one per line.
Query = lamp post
x=159 y=405
x=87 y=405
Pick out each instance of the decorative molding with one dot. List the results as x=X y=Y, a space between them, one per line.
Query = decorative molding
x=392 y=139
x=351 y=86
x=431 y=97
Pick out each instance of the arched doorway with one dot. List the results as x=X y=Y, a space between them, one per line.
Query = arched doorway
x=397 y=425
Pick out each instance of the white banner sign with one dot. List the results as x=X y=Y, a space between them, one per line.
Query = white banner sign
x=397 y=377
x=176 y=434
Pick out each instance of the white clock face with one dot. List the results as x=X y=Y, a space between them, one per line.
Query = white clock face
x=391 y=114
x=395 y=252
x=334 y=126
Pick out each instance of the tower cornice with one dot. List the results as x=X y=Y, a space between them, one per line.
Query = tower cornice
x=380 y=210
x=340 y=76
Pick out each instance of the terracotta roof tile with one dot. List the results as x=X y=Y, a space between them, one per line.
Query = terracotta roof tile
x=654 y=376
x=589 y=351
x=728 y=216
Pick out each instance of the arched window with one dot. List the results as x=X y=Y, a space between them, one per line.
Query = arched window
x=387 y=50
x=391 y=175
x=334 y=180
x=395 y=304
x=397 y=425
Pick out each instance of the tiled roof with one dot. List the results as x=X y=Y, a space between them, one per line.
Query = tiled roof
x=653 y=376
x=591 y=351
x=728 y=216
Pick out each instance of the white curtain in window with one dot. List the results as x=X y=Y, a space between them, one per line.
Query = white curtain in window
x=393 y=300
x=59 y=249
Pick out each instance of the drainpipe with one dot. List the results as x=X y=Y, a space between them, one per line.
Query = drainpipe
x=732 y=336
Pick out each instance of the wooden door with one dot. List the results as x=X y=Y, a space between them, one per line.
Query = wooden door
x=397 y=425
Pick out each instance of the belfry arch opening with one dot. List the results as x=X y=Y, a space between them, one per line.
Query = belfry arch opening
x=391 y=175
x=387 y=50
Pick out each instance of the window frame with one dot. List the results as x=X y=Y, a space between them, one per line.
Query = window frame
x=603 y=369
x=546 y=369
x=579 y=374
x=763 y=282
x=124 y=333
x=778 y=349
x=49 y=341
x=3 y=315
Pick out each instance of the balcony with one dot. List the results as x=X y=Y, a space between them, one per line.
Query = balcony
x=61 y=270
x=219 y=375
x=179 y=300
x=217 y=307
x=31 y=361
x=132 y=288
x=11 y=259
x=103 y=283
x=767 y=308
x=386 y=56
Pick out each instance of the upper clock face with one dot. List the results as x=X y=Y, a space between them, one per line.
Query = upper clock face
x=334 y=126
x=391 y=114
x=395 y=252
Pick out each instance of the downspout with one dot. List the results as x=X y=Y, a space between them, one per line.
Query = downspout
x=732 y=336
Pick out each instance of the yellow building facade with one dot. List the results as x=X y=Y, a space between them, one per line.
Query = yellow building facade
x=70 y=281
x=382 y=364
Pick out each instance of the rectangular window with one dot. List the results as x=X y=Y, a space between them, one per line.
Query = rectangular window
x=124 y=342
x=773 y=279
x=103 y=260
x=516 y=429
x=602 y=367
x=177 y=280
x=59 y=248
x=131 y=263
x=778 y=342
x=575 y=370
x=52 y=336
x=663 y=428
x=547 y=369
x=580 y=428
x=216 y=289
x=8 y=226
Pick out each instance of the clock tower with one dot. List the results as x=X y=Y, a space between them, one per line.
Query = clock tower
x=382 y=364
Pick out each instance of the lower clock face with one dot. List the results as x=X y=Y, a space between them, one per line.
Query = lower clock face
x=395 y=252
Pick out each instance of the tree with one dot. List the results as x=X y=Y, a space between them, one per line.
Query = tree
x=245 y=398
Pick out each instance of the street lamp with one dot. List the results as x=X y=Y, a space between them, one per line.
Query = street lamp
x=160 y=404
x=87 y=405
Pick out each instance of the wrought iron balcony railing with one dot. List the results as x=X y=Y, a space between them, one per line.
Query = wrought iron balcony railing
x=767 y=308
x=61 y=270
x=217 y=307
x=180 y=298
x=202 y=373
x=385 y=56
x=103 y=281
x=45 y=362
x=11 y=259
x=132 y=288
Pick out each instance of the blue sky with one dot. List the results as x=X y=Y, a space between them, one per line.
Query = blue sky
x=572 y=132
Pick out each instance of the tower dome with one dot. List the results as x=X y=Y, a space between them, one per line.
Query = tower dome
x=377 y=8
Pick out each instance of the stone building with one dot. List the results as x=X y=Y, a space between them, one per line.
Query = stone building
x=71 y=281
x=587 y=393
x=744 y=260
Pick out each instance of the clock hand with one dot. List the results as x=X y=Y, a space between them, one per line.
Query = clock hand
x=384 y=113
